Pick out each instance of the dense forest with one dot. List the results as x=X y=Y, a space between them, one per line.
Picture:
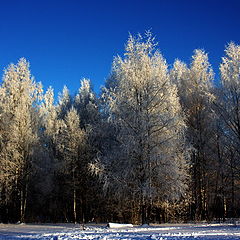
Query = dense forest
x=159 y=143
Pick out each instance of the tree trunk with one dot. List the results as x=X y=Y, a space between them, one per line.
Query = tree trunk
x=74 y=199
x=21 y=206
x=23 y=203
x=144 y=214
x=232 y=191
x=74 y=206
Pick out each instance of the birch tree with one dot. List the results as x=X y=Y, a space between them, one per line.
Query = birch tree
x=20 y=96
x=195 y=89
x=72 y=142
x=150 y=164
x=228 y=108
x=86 y=104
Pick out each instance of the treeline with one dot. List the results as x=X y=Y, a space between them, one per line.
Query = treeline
x=158 y=144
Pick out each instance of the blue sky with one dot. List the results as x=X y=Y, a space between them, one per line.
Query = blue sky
x=66 y=40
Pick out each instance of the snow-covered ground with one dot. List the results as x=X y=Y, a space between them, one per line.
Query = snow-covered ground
x=160 y=232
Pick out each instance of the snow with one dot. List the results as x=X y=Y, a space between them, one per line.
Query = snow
x=102 y=232
x=118 y=225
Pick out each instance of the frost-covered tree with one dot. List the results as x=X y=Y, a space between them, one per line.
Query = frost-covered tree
x=64 y=103
x=149 y=164
x=195 y=88
x=49 y=118
x=228 y=108
x=48 y=185
x=72 y=143
x=86 y=104
x=19 y=99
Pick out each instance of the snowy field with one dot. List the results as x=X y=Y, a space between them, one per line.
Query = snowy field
x=160 y=232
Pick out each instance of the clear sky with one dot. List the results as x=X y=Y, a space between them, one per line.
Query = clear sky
x=66 y=40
